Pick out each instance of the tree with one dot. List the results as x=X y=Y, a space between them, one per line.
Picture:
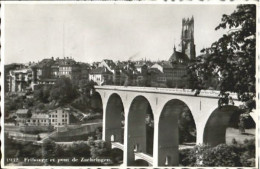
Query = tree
x=187 y=128
x=63 y=91
x=48 y=150
x=42 y=93
x=98 y=148
x=232 y=57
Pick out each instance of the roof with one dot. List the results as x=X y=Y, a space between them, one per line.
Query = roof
x=22 y=111
x=22 y=71
x=165 y=64
x=66 y=108
x=178 y=55
x=140 y=64
x=48 y=80
x=45 y=62
x=110 y=63
x=66 y=61
x=100 y=70
x=155 y=71
x=39 y=116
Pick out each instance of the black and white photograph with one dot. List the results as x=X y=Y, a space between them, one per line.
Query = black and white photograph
x=129 y=84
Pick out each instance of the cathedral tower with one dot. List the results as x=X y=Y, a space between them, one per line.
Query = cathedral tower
x=187 y=38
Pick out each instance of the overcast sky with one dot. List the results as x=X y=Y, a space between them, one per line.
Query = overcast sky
x=93 y=32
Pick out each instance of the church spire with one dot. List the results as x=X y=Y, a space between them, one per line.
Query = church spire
x=187 y=38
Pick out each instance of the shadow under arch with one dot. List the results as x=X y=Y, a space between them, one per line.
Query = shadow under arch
x=114 y=124
x=140 y=162
x=217 y=123
x=138 y=141
x=116 y=155
x=168 y=131
x=96 y=102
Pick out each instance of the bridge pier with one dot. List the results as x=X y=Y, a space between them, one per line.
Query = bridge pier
x=125 y=153
x=104 y=120
x=199 y=132
x=155 y=143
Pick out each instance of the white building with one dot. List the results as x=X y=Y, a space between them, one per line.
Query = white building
x=59 y=117
x=100 y=75
x=38 y=120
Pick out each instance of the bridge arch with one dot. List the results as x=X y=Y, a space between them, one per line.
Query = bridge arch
x=114 y=119
x=140 y=112
x=168 y=131
x=217 y=123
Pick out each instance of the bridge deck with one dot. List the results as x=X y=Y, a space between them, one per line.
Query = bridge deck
x=205 y=93
x=143 y=156
x=117 y=145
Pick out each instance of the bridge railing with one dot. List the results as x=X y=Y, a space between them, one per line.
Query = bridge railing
x=209 y=93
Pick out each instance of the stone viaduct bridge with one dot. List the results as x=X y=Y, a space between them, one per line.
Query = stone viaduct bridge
x=165 y=105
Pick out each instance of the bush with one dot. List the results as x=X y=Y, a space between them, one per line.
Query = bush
x=236 y=155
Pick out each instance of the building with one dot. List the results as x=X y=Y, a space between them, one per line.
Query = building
x=187 y=52
x=20 y=80
x=22 y=116
x=173 y=72
x=85 y=69
x=48 y=71
x=162 y=73
x=59 y=117
x=101 y=75
x=187 y=38
x=109 y=64
x=141 y=67
x=68 y=67
x=7 y=69
x=38 y=120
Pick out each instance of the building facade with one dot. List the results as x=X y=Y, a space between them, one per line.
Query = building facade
x=20 y=80
x=101 y=75
x=59 y=117
x=38 y=120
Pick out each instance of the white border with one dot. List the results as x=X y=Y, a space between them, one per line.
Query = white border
x=162 y=2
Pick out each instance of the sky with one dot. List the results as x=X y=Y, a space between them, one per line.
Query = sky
x=92 y=32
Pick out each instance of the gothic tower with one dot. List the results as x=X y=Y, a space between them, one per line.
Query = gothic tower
x=187 y=38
